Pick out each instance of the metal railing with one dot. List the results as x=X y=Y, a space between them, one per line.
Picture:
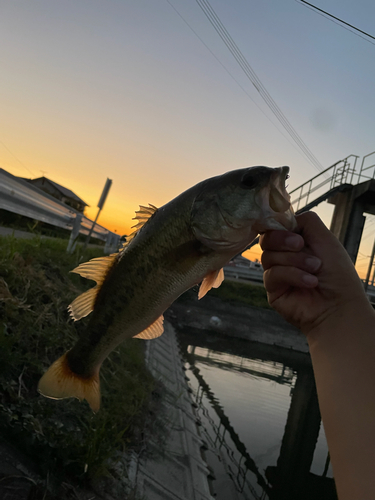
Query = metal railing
x=20 y=197
x=339 y=174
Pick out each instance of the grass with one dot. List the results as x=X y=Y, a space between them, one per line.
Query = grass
x=241 y=293
x=65 y=438
x=233 y=292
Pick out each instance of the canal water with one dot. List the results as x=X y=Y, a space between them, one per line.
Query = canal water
x=258 y=416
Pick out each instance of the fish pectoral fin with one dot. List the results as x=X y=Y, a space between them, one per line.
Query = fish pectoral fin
x=153 y=331
x=212 y=280
x=60 y=382
x=83 y=304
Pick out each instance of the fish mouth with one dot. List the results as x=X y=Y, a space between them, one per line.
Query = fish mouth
x=275 y=201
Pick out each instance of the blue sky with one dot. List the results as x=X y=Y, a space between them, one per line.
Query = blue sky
x=126 y=90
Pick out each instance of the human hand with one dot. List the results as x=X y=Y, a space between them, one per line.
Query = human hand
x=309 y=276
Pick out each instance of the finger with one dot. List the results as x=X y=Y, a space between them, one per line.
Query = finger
x=281 y=241
x=314 y=231
x=301 y=260
x=280 y=278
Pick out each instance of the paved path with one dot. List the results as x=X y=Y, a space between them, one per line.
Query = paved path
x=8 y=231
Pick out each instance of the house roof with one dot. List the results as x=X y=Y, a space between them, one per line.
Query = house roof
x=63 y=190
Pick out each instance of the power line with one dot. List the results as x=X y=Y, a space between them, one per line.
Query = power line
x=14 y=156
x=233 y=78
x=340 y=20
x=251 y=75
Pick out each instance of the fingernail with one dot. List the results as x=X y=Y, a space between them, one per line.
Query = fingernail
x=309 y=279
x=293 y=242
x=313 y=263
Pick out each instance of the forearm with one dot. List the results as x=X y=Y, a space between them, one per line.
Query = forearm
x=343 y=356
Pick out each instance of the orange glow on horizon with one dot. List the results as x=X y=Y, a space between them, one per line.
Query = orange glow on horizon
x=117 y=223
x=119 y=209
x=254 y=253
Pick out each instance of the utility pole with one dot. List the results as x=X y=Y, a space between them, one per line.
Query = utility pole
x=100 y=205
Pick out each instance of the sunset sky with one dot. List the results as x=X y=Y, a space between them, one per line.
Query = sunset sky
x=146 y=93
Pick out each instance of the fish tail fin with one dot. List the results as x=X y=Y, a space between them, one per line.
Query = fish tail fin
x=61 y=382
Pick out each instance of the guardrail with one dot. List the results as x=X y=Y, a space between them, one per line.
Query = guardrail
x=244 y=273
x=20 y=197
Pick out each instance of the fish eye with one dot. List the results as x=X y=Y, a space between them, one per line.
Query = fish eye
x=249 y=180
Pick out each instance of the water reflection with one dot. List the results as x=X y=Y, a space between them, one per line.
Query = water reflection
x=260 y=419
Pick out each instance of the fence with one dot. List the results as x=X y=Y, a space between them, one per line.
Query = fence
x=20 y=197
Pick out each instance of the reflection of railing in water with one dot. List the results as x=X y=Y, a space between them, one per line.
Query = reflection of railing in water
x=239 y=471
x=291 y=478
x=238 y=478
x=248 y=462
x=272 y=370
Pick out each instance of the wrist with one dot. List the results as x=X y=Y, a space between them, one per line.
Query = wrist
x=348 y=318
x=342 y=348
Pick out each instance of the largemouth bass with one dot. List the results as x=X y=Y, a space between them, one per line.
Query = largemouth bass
x=183 y=243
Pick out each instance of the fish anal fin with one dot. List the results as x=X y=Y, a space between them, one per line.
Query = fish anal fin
x=153 y=331
x=211 y=280
x=59 y=382
x=83 y=304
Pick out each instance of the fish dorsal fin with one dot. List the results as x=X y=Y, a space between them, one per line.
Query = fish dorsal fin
x=95 y=269
x=143 y=215
x=212 y=280
x=153 y=331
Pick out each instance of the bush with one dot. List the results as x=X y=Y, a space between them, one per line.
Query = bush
x=65 y=437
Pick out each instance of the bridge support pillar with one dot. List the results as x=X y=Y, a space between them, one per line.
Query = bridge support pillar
x=348 y=219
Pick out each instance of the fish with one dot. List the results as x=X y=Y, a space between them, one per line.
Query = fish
x=184 y=243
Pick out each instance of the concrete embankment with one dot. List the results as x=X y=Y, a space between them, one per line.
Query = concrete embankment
x=177 y=471
x=233 y=319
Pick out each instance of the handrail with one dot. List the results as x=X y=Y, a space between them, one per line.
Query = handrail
x=367 y=168
x=343 y=172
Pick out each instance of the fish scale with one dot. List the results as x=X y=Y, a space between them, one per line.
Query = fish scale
x=183 y=243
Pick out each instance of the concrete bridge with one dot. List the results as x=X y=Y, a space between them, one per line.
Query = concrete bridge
x=348 y=186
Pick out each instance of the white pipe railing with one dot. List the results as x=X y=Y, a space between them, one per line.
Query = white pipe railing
x=20 y=197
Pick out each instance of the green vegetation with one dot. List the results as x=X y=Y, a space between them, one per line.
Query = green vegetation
x=235 y=293
x=242 y=293
x=67 y=440
x=39 y=228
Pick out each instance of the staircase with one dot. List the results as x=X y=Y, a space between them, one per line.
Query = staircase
x=338 y=177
